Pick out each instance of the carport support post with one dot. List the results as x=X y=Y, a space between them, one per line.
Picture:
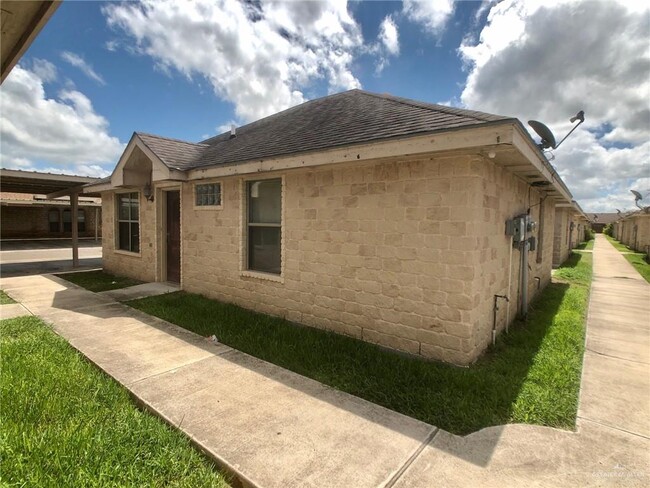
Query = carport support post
x=74 y=202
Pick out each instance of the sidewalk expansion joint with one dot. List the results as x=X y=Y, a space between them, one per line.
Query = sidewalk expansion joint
x=391 y=482
x=615 y=357
x=176 y=368
x=613 y=427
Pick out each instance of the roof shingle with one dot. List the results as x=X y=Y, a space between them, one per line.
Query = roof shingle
x=351 y=117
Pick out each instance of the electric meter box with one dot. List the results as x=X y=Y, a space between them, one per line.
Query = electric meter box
x=516 y=228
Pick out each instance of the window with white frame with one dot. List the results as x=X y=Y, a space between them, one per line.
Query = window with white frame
x=207 y=195
x=264 y=225
x=128 y=221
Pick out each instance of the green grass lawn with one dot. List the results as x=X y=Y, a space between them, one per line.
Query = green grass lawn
x=98 y=280
x=5 y=299
x=636 y=259
x=532 y=375
x=619 y=246
x=586 y=246
x=65 y=423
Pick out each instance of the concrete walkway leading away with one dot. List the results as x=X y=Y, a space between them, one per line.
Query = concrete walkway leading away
x=275 y=428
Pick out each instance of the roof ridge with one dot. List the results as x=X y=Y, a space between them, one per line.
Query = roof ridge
x=436 y=106
x=170 y=139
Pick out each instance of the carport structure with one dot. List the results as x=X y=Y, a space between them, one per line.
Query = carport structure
x=52 y=186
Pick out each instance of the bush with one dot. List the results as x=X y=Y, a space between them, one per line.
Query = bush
x=609 y=230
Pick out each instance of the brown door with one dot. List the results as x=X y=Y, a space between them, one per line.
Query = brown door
x=173 y=236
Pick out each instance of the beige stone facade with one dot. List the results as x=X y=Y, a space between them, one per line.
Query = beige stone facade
x=406 y=253
x=634 y=231
x=570 y=230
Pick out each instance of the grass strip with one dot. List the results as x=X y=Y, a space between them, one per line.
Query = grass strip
x=586 y=246
x=636 y=259
x=5 y=299
x=98 y=280
x=65 y=423
x=532 y=375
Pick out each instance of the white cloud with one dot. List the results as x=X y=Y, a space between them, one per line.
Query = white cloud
x=546 y=60
x=432 y=14
x=257 y=56
x=387 y=44
x=45 y=70
x=388 y=35
x=79 y=62
x=65 y=133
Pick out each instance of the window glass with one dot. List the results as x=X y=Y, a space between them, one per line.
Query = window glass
x=264 y=250
x=128 y=228
x=208 y=194
x=53 y=218
x=265 y=201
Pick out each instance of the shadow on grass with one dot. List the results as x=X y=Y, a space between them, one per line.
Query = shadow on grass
x=460 y=400
x=532 y=375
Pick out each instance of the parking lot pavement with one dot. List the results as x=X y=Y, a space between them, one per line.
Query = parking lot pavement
x=28 y=257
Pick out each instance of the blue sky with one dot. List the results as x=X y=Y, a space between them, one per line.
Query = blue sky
x=99 y=71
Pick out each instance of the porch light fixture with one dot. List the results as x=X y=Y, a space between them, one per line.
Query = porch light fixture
x=148 y=192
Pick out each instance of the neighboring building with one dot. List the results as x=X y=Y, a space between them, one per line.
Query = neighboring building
x=633 y=230
x=378 y=217
x=571 y=225
x=600 y=220
x=27 y=216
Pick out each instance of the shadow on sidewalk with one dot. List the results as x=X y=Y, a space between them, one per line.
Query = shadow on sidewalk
x=488 y=389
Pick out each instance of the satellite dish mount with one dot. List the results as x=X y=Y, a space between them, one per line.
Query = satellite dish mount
x=548 y=139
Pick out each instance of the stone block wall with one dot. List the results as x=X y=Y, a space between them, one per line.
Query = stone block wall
x=561 y=236
x=503 y=197
x=407 y=254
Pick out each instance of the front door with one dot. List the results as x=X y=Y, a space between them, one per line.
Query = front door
x=173 y=226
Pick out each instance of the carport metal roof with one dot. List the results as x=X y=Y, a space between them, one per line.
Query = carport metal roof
x=52 y=185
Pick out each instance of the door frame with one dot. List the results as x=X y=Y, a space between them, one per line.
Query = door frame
x=161 y=198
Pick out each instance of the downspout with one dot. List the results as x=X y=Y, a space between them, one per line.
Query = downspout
x=524 y=279
x=509 y=285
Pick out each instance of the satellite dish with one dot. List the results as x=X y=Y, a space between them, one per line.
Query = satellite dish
x=619 y=212
x=548 y=139
x=637 y=195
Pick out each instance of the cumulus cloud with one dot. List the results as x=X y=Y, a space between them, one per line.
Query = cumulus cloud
x=45 y=70
x=79 y=62
x=431 y=14
x=388 y=35
x=387 y=43
x=63 y=132
x=546 y=60
x=256 y=55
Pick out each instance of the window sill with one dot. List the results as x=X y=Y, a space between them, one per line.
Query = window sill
x=208 y=207
x=128 y=253
x=262 y=276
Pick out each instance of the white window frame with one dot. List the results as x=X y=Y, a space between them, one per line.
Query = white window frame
x=244 y=269
x=116 y=218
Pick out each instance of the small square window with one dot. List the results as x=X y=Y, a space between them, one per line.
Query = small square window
x=207 y=195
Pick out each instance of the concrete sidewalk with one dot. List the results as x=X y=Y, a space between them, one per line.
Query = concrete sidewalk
x=276 y=428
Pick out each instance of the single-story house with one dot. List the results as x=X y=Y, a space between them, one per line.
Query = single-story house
x=398 y=222
x=600 y=220
x=30 y=216
x=571 y=225
x=633 y=230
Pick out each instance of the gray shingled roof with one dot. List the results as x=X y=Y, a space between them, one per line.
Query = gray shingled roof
x=347 y=118
x=173 y=152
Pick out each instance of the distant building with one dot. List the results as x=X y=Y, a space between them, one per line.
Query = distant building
x=600 y=220
x=29 y=216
